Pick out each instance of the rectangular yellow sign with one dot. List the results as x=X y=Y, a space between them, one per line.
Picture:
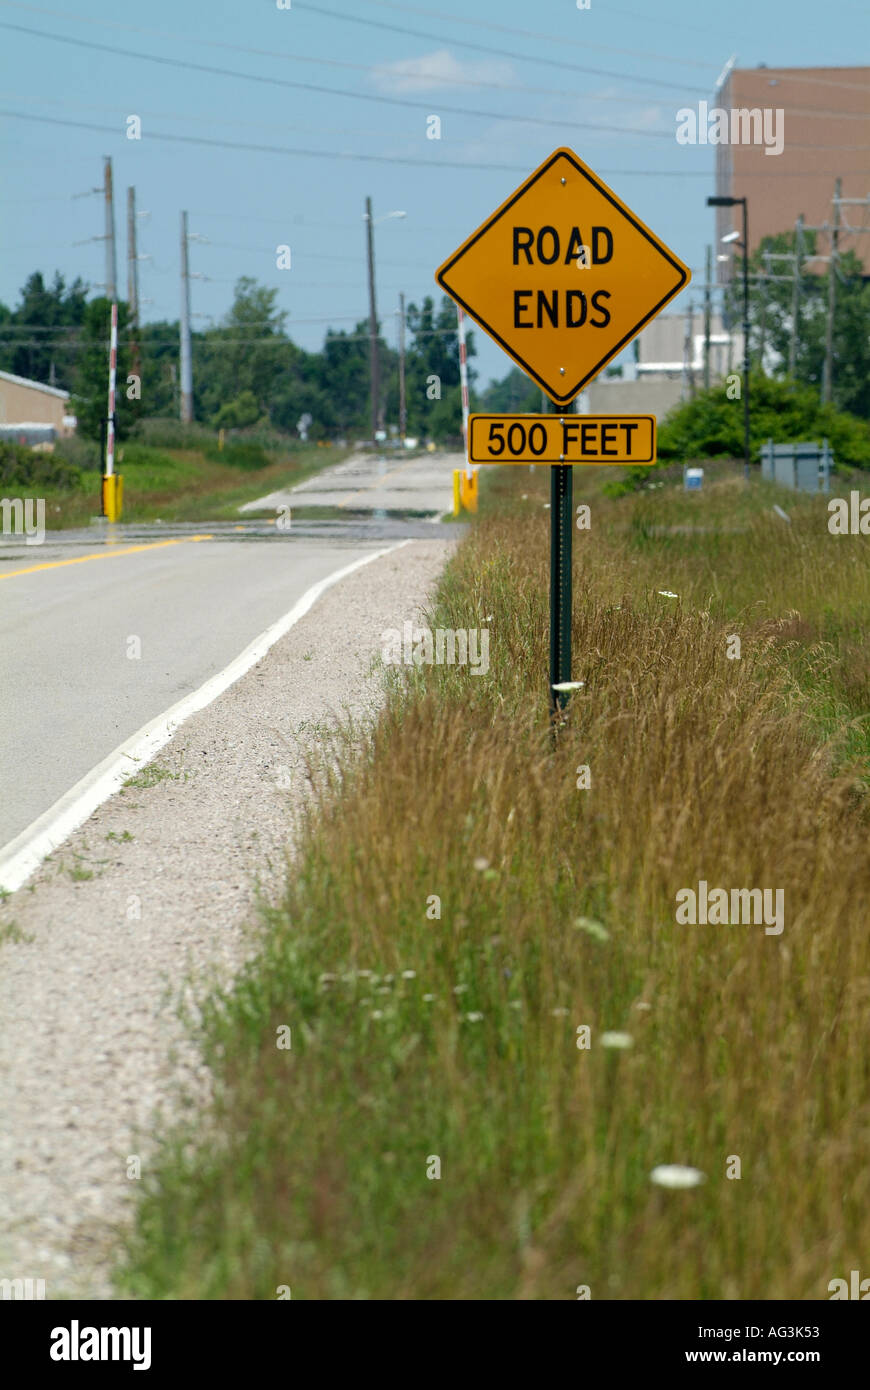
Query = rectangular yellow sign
x=567 y=438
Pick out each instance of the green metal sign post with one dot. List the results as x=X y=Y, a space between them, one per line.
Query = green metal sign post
x=561 y=542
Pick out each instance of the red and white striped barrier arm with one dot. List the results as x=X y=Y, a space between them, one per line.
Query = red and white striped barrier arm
x=113 y=363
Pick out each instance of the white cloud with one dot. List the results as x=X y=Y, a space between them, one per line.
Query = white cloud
x=437 y=70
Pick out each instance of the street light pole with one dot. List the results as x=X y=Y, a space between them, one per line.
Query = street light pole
x=373 y=313
x=373 y=324
x=730 y=203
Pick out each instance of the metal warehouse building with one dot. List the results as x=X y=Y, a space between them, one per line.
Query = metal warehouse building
x=29 y=408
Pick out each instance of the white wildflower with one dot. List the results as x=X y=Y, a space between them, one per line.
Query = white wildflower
x=676 y=1175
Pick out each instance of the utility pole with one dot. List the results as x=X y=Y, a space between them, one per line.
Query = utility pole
x=111 y=262
x=828 y=371
x=373 y=323
x=730 y=202
x=403 y=415
x=708 y=299
x=688 y=352
x=463 y=386
x=745 y=339
x=133 y=281
x=765 y=276
x=186 y=412
x=796 y=295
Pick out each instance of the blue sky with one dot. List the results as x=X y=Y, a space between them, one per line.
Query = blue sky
x=607 y=81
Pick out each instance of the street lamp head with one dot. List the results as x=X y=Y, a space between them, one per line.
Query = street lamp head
x=724 y=202
x=386 y=217
x=730 y=236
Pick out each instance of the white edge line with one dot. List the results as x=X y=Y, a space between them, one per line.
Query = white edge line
x=22 y=856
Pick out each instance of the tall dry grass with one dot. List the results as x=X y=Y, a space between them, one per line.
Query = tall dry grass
x=417 y=1037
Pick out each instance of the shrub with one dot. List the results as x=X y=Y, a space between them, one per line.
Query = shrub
x=23 y=469
x=711 y=426
x=81 y=452
x=238 y=413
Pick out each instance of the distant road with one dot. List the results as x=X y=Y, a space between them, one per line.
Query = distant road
x=422 y=485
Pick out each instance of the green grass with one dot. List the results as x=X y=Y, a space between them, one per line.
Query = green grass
x=458 y=909
x=192 y=484
x=11 y=932
x=151 y=776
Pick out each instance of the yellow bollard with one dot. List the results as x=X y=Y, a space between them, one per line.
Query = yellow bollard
x=112 y=496
x=468 y=490
x=457 y=497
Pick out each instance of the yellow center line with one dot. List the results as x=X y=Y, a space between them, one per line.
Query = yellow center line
x=377 y=482
x=103 y=555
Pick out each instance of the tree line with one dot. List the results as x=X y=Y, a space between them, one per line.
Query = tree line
x=247 y=370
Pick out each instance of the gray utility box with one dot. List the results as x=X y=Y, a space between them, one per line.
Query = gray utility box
x=805 y=467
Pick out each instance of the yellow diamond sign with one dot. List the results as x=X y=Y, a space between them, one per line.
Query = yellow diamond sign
x=563 y=275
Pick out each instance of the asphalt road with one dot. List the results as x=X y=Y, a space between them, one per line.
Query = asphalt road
x=70 y=608
x=73 y=609
x=422 y=485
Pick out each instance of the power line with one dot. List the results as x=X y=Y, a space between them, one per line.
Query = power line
x=434 y=14
x=561 y=40
x=315 y=87
x=200 y=339
x=523 y=58
x=399 y=159
x=29 y=99
x=392 y=134
x=486 y=48
x=443 y=79
x=386 y=134
x=304 y=224
x=210 y=121
x=285 y=150
x=312 y=255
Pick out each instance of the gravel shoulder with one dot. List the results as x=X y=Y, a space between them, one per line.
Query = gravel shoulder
x=151 y=899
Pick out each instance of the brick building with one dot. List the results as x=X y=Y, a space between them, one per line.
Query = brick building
x=826 y=124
